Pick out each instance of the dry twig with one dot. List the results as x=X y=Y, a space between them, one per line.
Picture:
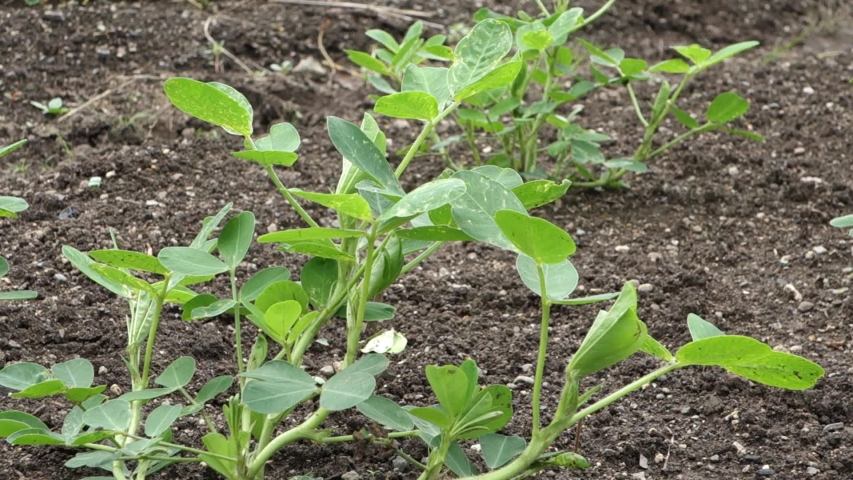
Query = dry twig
x=404 y=14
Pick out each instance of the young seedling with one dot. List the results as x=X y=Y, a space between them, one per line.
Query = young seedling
x=382 y=232
x=10 y=207
x=53 y=107
x=533 y=78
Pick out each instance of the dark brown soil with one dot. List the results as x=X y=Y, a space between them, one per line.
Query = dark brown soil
x=718 y=228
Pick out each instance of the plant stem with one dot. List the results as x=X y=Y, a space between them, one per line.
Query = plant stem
x=303 y=430
x=204 y=414
x=287 y=196
x=351 y=438
x=354 y=327
x=680 y=138
x=238 y=327
x=618 y=394
x=543 y=347
x=436 y=459
x=543 y=8
x=421 y=257
x=636 y=104
x=601 y=11
x=428 y=127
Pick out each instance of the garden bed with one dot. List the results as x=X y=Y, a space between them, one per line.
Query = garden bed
x=720 y=227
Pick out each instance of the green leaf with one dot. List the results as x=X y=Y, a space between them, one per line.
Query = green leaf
x=450 y=385
x=20 y=376
x=753 y=360
x=499 y=77
x=561 y=279
x=507 y=177
x=728 y=52
x=190 y=261
x=345 y=390
x=129 y=259
x=349 y=204
x=610 y=58
x=178 y=374
x=566 y=23
x=32 y=436
x=276 y=387
x=386 y=413
x=93 y=459
x=236 y=237
x=537 y=238
x=210 y=103
x=435 y=233
x=281 y=317
x=311 y=233
x=317 y=248
x=540 y=192
x=75 y=373
x=628 y=164
x=431 y=80
x=208 y=225
x=12 y=421
x=474 y=211
x=726 y=107
x=199 y=301
x=586 y=300
x=384 y=38
x=701 y=328
x=631 y=67
x=684 y=118
x=12 y=206
x=85 y=264
x=11 y=148
x=498 y=450
x=356 y=147
x=613 y=337
x=408 y=105
x=478 y=53
x=458 y=463
x=40 y=390
x=268 y=157
x=213 y=388
x=18 y=295
x=674 y=65
x=213 y=310
x=81 y=394
x=319 y=277
x=656 y=349
x=425 y=198
x=113 y=415
x=432 y=415
x=160 y=419
x=536 y=39
x=261 y=280
x=745 y=134
x=845 y=221
x=4 y=267
x=282 y=291
x=124 y=278
x=363 y=59
x=694 y=53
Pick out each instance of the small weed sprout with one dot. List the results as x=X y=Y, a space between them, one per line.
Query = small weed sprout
x=53 y=107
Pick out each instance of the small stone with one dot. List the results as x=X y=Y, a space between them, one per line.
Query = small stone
x=310 y=66
x=634 y=282
x=328 y=370
x=740 y=448
x=60 y=278
x=659 y=457
x=639 y=475
x=714 y=458
x=104 y=52
x=833 y=427
x=115 y=390
x=609 y=452
x=443 y=272
x=112 y=173
x=622 y=248
x=765 y=471
x=14 y=344
x=527 y=368
x=351 y=475
x=102 y=370
x=523 y=379
x=812 y=471
x=751 y=458
x=646 y=288
x=644 y=462
x=733 y=171
x=655 y=257
x=686 y=410
x=808 y=90
x=799 y=151
x=151 y=203
x=400 y=464
x=69 y=212
x=820 y=249
x=338 y=366
x=805 y=306
x=54 y=15
x=511 y=386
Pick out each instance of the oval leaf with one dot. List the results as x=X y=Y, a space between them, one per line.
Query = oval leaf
x=726 y=107
x=538 y=238
x=209 y=103
x=236 y=237
x=408 y=105
x=190 y=261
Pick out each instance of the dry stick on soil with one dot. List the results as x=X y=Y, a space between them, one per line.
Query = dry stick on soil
x=323 y=51
x=104 y=94
x=408 y=15
x=224 y=50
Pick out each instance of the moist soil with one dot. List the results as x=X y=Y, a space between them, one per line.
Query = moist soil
x=732 y=230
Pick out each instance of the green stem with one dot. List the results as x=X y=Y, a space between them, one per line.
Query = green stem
x=238 y=327
x=436 y=459
x=636 y=105
x=351 y=438
x=303 y=430
x=601 y=11
x=354 y=327
x=204 y=414
x=679 y=139
x=543 y=348
x=287 y=196
x=428 y=127
x=421 y=257
x=543 y=8
x=631 y=387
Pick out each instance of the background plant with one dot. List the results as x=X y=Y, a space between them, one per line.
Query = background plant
x=10 y=207
x=535 y=77
x=53 y=107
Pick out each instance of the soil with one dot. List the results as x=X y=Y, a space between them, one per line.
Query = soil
x=720 y=227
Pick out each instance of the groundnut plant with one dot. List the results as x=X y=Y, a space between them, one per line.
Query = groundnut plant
x=528 y=114
x=269 y=400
